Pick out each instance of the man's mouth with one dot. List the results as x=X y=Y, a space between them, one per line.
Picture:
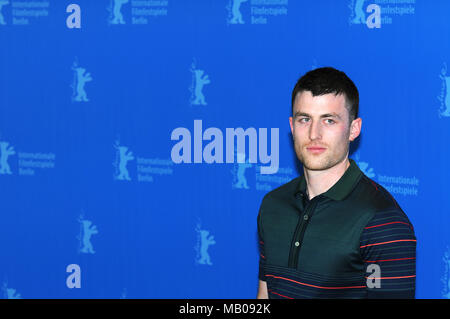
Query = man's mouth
x=316 y=150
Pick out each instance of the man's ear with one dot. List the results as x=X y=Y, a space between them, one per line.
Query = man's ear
x=355 y=129
x=291 y=124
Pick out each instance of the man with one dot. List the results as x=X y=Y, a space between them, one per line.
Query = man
x=332 y=232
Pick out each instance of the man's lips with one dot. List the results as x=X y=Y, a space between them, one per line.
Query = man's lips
x=316 y=149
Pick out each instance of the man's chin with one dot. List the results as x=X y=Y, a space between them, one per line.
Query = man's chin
x=315 y=167
x=315 y=164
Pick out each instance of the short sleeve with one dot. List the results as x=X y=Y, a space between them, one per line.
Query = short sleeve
x=388 y=249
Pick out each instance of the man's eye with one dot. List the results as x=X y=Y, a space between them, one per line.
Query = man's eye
x=303 y=119
x=330 y=121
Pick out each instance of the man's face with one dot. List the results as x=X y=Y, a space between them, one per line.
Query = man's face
x=321 y=131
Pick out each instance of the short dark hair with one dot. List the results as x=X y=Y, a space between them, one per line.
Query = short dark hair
x=326 y=80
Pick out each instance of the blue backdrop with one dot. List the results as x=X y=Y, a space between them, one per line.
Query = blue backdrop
x=100 y=100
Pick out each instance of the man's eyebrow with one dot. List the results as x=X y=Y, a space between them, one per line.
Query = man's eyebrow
x=333 y=114
x=297 y=114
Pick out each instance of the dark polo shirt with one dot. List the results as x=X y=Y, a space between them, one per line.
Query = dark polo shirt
x=353 y=241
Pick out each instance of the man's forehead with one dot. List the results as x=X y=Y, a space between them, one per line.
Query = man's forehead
x=320 y=104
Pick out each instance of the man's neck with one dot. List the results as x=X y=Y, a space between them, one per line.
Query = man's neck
x=319 y=182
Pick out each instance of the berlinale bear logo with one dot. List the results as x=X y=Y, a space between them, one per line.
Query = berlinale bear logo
x=5 y=151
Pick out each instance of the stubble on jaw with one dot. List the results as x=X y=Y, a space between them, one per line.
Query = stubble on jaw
x=318 y=162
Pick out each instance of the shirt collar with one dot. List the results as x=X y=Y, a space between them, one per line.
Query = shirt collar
x=342 y=187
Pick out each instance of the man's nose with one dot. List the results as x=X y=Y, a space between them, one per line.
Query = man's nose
x=315 y=130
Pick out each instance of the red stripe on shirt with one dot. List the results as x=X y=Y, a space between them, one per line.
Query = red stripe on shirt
x=276 y=293
x=386 y=224
x=387 y=242
x=309 y=285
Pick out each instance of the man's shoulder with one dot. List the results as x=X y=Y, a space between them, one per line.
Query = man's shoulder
x=387 y=219
x=283 y=192
x=376 y=206
x=377 y=198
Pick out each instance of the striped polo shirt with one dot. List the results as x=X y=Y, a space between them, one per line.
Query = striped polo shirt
x=353 y=241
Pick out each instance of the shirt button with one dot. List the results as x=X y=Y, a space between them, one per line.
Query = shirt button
x=297 y=244
x=305 y=217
